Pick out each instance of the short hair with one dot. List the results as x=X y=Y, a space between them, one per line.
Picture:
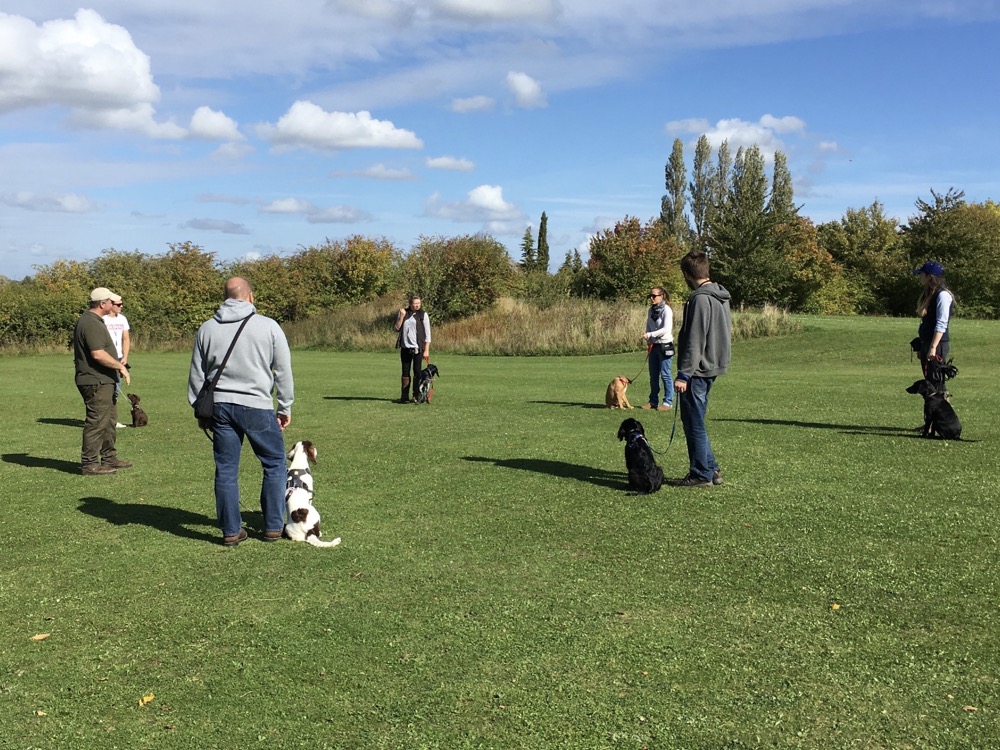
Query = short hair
x=695 y=265
x=95 y=303
x=412 y=296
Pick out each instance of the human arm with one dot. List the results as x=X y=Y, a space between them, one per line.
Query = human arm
x=102 y=357
x=941 y=319
x=126 y=346
x=427 y=337
x=281 y=366
x=399 y=318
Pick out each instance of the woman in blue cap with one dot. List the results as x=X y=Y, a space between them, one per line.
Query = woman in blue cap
x=935 y=308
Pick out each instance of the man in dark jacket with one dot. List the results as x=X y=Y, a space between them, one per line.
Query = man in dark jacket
x=702 y=355
x=97 y=372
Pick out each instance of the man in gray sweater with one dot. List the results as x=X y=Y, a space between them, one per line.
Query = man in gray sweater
x=260 y=364
x=703 y=345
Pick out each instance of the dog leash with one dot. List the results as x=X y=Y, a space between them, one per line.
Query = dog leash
x=648 y=350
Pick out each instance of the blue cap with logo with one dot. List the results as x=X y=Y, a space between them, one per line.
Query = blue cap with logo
x=931 y=268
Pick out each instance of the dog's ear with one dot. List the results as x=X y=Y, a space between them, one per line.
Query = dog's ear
x=310 y=450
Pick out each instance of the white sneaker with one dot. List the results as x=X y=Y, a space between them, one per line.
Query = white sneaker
x=119 y=425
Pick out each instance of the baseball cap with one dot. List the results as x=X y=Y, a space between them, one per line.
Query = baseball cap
x=931 y=268
x=102 y=293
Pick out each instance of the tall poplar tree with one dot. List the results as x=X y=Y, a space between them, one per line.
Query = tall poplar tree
x=672 y=214
x=542 y=251
x=701 y=190
x=781 y=205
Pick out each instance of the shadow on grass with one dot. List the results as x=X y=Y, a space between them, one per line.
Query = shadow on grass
x=359 y=398
x=41 y=462
x=580 y=404
x=599 y=477
x=853 y=429
x=170 y=520
x=60 y=421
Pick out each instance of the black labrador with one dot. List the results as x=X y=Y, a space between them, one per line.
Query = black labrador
x=644 y=474
x=940 y=419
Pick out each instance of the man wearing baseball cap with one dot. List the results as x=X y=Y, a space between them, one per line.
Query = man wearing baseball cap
x=97 y=373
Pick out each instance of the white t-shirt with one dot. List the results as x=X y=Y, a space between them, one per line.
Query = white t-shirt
x=117 y=326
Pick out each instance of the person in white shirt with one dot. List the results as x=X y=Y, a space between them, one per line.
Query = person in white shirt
x=118 y=327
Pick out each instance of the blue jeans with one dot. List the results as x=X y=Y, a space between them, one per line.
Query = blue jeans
x=659 y=369
x=694 y=405
x=230 y=423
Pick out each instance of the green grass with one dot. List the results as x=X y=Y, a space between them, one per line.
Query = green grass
x=497 y=587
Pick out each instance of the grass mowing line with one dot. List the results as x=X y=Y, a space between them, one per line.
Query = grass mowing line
x=497 y=587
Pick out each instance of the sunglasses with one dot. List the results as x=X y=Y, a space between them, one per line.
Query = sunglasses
x=654 y=296
x=117 y=304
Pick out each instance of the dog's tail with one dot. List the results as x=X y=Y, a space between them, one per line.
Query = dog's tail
x=315 y=541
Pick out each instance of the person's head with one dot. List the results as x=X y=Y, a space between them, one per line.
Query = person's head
x=931 y=273
x=239 y=288
x=103 y=300
x=414 y=301
x=657 y=295
x=931 y=276
x=695 y=268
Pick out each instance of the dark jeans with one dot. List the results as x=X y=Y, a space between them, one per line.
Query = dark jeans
x=99 y=427
x=694 y=405
x=412 y=359
x=230 y=424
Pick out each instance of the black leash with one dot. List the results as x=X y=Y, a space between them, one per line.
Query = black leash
x=673 y=430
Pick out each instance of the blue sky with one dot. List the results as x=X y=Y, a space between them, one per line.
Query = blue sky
x=256 y=130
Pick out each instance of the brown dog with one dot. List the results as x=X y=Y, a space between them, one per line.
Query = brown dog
x=615 y=397
x=139 y=418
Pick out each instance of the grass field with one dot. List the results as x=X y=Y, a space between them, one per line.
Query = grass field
x=497 y=586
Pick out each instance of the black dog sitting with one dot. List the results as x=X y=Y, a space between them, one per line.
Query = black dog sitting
x=940 y=419
x=425 y=387
x=644 y=474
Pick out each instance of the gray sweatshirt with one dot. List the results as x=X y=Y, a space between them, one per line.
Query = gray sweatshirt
x=706 y=332
x=260 y=364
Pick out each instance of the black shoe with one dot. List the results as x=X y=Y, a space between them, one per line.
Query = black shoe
x=717 y=478
x=692 y=481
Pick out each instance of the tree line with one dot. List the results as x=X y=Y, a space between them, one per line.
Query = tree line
x=762 y=250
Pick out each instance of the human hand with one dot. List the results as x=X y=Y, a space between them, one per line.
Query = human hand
x=680 y=385
x=284 y=420
x=126 y=376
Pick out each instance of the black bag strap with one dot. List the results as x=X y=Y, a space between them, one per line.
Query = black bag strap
x=218 y=373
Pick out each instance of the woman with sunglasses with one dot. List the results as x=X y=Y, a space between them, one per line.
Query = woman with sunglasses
x=659 y=337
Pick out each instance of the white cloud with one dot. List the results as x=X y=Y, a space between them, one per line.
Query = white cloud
x=450 y=162
x=216 y=225
x=478 y=11
x=289 y=206
x=84 y=62
x=139 y=119
x=483 y=204
x=473 y=104
x=307 y=125
x=339 y=215
x=382 y=172
x=69 y=203
x=526 y=90
x=210 y=125
x=314 y=214
x=741 y=134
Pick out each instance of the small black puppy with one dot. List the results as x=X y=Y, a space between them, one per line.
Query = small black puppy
x=139 y=418
x=425 y=386
x=940 y=419
x=644 y=474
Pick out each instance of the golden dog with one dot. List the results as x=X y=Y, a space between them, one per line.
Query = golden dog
x=615 y=397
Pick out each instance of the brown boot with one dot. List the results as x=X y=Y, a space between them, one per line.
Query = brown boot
x=404 y=390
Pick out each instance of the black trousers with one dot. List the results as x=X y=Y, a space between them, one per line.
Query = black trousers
x=411 y=359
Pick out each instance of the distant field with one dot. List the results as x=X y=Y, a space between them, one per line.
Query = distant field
x=497 y=586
